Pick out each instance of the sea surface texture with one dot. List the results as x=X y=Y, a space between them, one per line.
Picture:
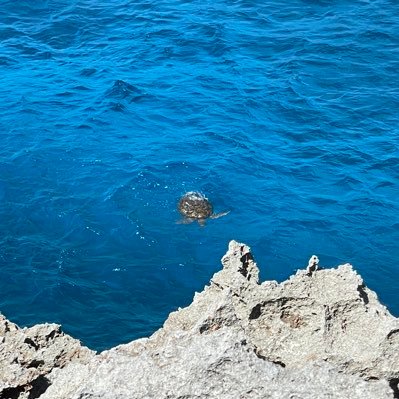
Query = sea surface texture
x=286 y=114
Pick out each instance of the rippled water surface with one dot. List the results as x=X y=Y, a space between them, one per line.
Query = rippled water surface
x=284 y=113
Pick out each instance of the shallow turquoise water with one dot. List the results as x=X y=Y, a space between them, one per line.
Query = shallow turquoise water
x=285 y=114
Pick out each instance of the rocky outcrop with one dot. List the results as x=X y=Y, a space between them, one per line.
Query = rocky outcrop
x=29 y=355
x=321 y=334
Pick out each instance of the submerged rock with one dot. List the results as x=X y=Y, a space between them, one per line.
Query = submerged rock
x=321 y=334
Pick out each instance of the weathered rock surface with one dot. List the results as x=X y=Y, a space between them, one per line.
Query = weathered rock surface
x=321 y=334
x=28 y=355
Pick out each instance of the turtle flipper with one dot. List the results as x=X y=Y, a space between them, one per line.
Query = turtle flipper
x=185 y=221
x=219 y=215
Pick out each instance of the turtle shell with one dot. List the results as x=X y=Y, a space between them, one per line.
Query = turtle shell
x=195 y=205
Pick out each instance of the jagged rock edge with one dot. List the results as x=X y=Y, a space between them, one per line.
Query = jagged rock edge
x=245 y=262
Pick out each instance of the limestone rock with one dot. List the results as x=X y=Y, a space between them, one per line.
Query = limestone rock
x=28 y=355
x=321 y=334
x=220 y=364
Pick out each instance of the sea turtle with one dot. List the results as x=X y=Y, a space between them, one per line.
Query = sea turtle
x=194 y=206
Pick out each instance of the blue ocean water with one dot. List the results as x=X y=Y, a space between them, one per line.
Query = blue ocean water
x=284 y=113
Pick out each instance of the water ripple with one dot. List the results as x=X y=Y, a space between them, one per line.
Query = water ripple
x=286 y=115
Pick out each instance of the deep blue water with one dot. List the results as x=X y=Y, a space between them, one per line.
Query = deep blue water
x=284 y=113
